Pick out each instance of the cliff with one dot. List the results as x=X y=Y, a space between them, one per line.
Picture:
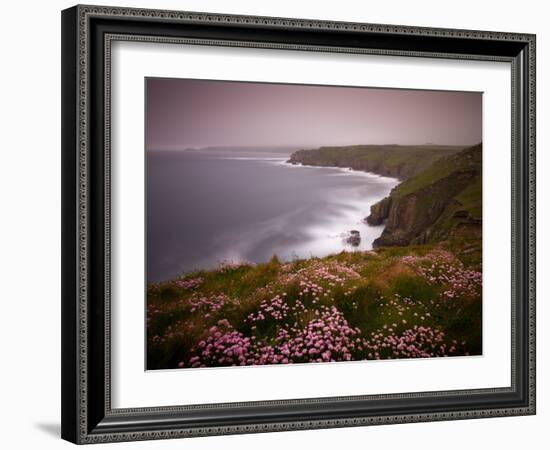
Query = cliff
x=442 y=202
x=398 y=161
x=438 y=200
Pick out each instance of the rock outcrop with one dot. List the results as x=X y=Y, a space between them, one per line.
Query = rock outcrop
x=443 y=202
x=353 y=237
x=379 y=212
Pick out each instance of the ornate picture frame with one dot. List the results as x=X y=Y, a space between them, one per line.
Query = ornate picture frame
x=88 y=33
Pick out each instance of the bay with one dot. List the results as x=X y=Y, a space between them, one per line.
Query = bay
x=210 y=207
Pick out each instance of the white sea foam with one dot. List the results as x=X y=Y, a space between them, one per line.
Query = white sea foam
x=343 y=171
x=253 y=207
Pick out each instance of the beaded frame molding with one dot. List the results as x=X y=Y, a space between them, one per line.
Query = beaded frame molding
x=87 y=35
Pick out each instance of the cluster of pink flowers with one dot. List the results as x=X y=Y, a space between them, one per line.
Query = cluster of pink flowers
x=310 y=289
x=463 y=283
x=416 y=342
x=318 y=282
x=223 y=347
x=401 y=304
x=333 y=272
x=275 y=308
x=312 y=278
x=432 y=264
x=440 y=267
x=412 y=260
x=190 y=283
x=211 y=304
x=306 y=325
x=327 y=337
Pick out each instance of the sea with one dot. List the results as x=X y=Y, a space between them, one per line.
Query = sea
x=205 y=208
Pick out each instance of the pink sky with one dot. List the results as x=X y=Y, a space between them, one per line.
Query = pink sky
x=184 y=113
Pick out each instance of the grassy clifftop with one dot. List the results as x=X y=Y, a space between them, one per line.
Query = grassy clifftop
x=417 y=295
x=407 y=302
x=399 y=161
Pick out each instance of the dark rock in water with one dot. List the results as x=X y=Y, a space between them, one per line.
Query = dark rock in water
x=353 y=237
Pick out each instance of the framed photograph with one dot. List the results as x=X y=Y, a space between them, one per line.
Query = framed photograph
x=279 y=224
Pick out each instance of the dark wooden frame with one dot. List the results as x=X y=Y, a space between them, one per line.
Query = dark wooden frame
x=87 y=32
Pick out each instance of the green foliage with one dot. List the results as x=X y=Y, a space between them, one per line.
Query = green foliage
x=470 y=198
x=413 y=286
x=374 y=290
x=435 y=285
x=168 y=292
x=402 y=161
x=441 y=203
x=467 y=159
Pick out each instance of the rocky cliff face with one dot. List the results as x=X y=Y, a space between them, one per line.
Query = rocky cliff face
x=440 y=203
x=379 y=212
x=439 y=198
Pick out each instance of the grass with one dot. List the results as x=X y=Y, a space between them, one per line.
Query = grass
x=400 y=302
x=468 y=159
x=396 y=302
x=470 y=198
x=441 y=203
x=402 y=161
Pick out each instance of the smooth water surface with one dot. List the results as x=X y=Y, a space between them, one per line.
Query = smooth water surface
x=210 y=207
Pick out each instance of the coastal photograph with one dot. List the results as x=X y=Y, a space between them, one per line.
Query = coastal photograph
x=292 y=223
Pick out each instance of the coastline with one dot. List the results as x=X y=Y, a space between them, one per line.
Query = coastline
x=437 y=199
x=311 y=212
x=249 y=314
x=369 y=174
x=349 y=171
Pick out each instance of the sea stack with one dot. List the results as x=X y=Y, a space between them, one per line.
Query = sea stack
x=353 y=238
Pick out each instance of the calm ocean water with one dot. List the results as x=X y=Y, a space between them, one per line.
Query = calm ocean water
x=209 y=207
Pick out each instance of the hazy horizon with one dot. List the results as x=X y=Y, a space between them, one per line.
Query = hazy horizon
x=184 y=113
x=304 y=147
